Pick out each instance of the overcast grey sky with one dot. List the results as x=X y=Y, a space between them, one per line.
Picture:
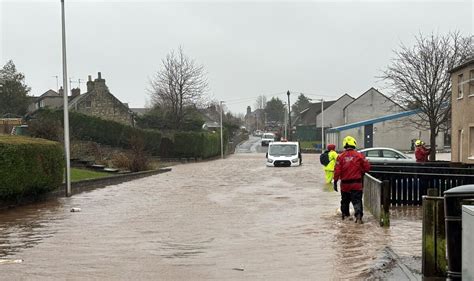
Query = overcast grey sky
x=324 y=49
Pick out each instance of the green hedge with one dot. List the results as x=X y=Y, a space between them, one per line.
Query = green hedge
x=29 y=166
x=89 y=128
x=192 y=144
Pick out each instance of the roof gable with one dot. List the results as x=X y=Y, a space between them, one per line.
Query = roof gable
x=373 y=90
x=50 y=93
x=93 y=92
x=308 y=116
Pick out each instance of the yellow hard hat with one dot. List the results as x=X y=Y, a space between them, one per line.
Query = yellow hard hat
x=349 y=141
x=418 y=142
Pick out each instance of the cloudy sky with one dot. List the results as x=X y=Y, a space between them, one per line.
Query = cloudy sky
x=321 y=48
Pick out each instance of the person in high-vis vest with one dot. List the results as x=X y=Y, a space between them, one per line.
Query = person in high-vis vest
x=421 y=152
x=329 y=168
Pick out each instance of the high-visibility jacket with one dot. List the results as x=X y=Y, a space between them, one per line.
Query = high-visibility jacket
x=350 y=168
x=332 y=161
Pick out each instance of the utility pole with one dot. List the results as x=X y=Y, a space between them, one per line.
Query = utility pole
x=286 y=126
x=65 y=105
x=256 y=118
x=265 y=120
x=222 y=133
x=322 y=125
x=289 y=116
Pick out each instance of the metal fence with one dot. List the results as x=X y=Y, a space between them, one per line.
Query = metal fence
x=423 y=169
x=408 y=188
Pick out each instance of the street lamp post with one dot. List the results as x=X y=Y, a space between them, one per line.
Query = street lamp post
x=286 y=124
x=65 y=105
x=322 y=125
x=289 y=115
x=222 y=133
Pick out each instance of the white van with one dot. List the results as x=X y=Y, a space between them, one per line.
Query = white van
x=267 y=138
x=283 y=154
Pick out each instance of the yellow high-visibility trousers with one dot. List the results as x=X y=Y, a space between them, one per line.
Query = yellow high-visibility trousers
x=329 y=176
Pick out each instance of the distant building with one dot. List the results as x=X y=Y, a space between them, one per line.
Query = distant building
x=334 y=113
x=254 y=120
x=50 y=99
x=375 y=120
x=140 y=111
x=211 y=126
x=462 y=112
x=308 y=115
x=305 y=121
x=98 y=101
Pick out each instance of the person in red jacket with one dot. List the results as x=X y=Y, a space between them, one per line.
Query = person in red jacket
x=421 y=152
x=350 y=168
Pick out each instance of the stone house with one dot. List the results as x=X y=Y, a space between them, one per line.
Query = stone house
x=100 y=102
x=462 y=112
x=375 y=120
x=49 y=99
x=254 y=120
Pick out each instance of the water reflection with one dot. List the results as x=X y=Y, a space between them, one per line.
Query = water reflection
x=24 y=227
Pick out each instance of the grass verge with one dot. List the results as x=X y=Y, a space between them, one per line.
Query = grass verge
x=309 y=144
x=83 y=174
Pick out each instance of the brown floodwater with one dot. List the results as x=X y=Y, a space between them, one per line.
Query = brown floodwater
x=228 y=219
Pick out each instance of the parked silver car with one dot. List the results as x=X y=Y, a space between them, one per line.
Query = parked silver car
x=386 y=155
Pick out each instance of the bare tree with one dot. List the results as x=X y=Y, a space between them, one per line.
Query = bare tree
x=181 y=83
x=420 y=79
x=261 y=102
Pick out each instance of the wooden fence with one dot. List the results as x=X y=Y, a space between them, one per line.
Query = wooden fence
x=377 y=199
x=433 y=260
x=6 y=124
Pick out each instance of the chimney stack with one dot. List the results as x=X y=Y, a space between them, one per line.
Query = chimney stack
x=75 y=92
x=61 y=91
x=99 y=83
x=90 y=83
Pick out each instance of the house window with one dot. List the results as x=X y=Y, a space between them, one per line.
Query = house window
x=460 y=87
x=88 y=104
x=471 y=83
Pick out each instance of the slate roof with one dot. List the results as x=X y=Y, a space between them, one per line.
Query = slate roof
x=308 y=116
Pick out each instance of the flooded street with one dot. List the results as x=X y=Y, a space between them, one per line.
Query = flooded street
x=231 y=219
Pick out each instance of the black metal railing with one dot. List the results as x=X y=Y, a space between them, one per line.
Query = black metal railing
x=422 y=169
x=407 y=188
